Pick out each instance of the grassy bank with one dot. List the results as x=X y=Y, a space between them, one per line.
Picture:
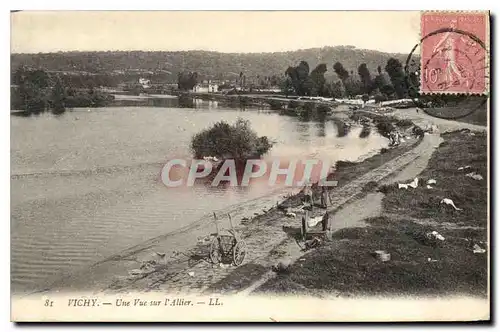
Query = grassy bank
x=347 y=266
x=473 y=111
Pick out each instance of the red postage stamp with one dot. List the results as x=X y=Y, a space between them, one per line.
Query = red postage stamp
x=454 y=52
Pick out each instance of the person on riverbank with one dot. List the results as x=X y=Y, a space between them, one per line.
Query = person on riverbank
x=394 y=138
x=308 y=198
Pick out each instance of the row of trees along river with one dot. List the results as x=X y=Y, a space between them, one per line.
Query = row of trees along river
x=300 y=80
x=35 y=91
x=389 y=83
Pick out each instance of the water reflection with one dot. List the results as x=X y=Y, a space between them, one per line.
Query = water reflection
x=365 y=132
x=321 y=129
x=343 y=128
x=303 y=129
x=183 y=101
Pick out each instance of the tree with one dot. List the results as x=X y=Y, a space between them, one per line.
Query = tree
x=32 y=89
x=378 y=96
x=387 y=90
x=366 y=80
x=395 y=70
x=341 y=72
x=293 y=79
x=305 y=85
x=414 y=83
x=225 y=141
x=286 y=86
x=353 y=87
x=319 y=81
x=187 y=80
x=379 y=80
x=300 y=79
x=338 y=90
x=58 y=98
x=19 y=75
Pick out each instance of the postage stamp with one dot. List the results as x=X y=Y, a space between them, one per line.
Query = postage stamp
x=454 y=52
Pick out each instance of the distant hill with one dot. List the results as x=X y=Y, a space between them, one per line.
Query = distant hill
x=206 y=63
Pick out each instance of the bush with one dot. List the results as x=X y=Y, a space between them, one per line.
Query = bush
x=88 y=99
x=404 y=123
x=323 y=109
x=237 y=141
x=355 y=117
x=417 y=131
x=292 y=104
x=342 y=164
x=275 y=104
x=309 y=107
x=385 y=127
x=370 y=186
x=387 y=188
x=380 y=98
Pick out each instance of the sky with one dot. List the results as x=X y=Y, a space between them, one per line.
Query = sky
x=223 y=31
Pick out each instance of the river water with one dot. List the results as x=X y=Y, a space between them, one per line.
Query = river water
x=86 y=184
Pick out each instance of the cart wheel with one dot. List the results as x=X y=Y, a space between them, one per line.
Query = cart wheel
x=239 y=253
x=215 y=251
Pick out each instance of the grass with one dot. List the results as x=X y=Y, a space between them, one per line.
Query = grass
x=242 y=277
x=348 y=266
x=478 y=117
x=459 y=149
x=418 y=267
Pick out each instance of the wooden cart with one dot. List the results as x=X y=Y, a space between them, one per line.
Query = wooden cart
x=227 y=245
x=322 y=230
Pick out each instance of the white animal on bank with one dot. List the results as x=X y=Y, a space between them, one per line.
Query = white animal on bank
x=450 y=202
x=414 y=183
x=474 y=176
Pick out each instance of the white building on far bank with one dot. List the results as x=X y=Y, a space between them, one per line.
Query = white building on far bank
x=206 y=87
x=145 y=83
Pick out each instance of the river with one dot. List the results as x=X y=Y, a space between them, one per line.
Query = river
x=85 y=185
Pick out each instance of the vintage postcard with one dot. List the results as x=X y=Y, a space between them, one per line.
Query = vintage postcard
x=229 y=166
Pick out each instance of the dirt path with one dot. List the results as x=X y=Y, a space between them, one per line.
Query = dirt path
x=422 y=119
